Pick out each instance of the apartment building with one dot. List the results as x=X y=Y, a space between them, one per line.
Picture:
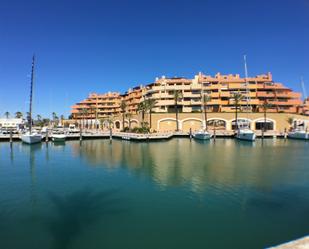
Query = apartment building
x=133 y=97
x=256 y=91
x=221 y=88
x=97 y=106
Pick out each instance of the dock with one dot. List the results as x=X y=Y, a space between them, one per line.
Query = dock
x=145 y=137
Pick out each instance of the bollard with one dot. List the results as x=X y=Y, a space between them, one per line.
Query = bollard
x=80 y=135
x=214 y=133
x=190 y=134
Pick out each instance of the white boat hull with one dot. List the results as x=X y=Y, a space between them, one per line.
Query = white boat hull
x=59 y=138
x=31 y=139
x=202 y=135
x=247 y=135
x=299 y=135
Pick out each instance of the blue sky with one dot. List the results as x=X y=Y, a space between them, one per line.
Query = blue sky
x=97 y=46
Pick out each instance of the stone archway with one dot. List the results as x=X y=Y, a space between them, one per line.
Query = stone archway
x=242 y=122
x=260 y=123
x=218 y=123
x=167 y=124
x=194 y=124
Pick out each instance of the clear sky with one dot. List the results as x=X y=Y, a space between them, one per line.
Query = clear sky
x=97 y=46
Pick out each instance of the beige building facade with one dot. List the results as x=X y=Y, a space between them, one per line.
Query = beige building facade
x=166 y=122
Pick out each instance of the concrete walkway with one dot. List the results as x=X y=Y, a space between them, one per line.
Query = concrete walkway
x=302 y=243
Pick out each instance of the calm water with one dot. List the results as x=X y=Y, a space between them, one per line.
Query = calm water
x=172 y=194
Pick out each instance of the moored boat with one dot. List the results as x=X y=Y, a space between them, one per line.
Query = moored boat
x=58 y=137
x=245 y=134
x=31 y=138
x=299 y=134
x=201 y=135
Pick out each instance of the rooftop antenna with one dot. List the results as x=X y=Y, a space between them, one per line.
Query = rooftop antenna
x=303 y=87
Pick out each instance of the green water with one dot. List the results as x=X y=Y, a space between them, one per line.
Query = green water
x=170 y=194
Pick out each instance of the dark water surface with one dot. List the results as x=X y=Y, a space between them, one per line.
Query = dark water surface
x=170 y=194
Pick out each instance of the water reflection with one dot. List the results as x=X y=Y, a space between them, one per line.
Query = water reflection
x=77 y=211
x=217 y=165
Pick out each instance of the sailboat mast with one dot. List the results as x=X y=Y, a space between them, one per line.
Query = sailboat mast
x=303 y=88
x=246 y=82
x=31 y=95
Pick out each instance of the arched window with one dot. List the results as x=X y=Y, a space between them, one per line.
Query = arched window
x=269 y=125
x=117 y=124
x=218 y=123
x=242 y=123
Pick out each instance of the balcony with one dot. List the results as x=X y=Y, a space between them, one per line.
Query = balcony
x=275 y=86
x=212 y=87
x=264 y=94
x=191 y=95
x=193 y=102
x=242 y=86
x=215 y=95
x=225 y=94
x=289 y=94
x=244 y=102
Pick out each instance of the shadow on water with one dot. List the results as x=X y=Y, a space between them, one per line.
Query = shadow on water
x=77 y=211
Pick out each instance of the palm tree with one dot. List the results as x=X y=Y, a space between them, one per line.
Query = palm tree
x=237 y=98
x=290 y=120
x=123 y=107
x=54 y=115
x=7 y=114
x=39 y=119
x=265 y=107
x=205 y=99
x=18 y=115
x=150 y=104
x=61 y=119
x=101 y=120
x=93 y=110
x=84 y=113
x=142 y=108
x=177 y=97
x=55 y=118
x=129 y=116
x=80 y=115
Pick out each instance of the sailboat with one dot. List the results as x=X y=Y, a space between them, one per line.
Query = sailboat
x=244 y=132
x=31 y=137
x=203 y=134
